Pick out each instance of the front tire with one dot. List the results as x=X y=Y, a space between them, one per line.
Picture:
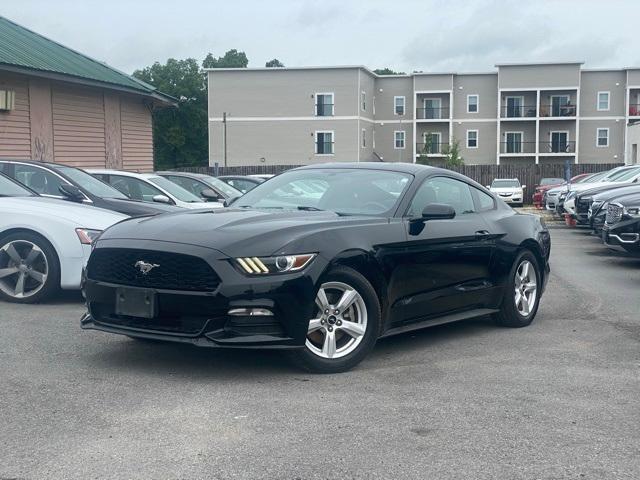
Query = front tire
x=29 y=268
x=522 y=293
x=345 y=326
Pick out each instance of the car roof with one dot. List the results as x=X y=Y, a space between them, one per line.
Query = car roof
x=107 y=171
x=412 y=168
x=182 y=174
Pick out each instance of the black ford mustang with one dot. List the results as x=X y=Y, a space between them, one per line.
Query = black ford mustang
x=322 y=260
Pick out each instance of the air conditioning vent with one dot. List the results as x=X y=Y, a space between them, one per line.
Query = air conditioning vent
x=7 y=100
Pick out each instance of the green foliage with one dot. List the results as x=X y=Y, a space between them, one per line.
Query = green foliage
x=274 y=63
x=452 y=154
x=180 y=137
x=179 y=134
x=231 y=59
x=387 y=71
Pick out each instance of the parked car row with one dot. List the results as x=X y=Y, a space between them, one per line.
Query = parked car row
x=50 y=215
x=322 y=260
x=607 y=202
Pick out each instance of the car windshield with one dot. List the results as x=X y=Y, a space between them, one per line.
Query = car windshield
x=344 y=191
x=90 y=183
x=176 y=190
x=626 y=175
x=225 y=188
x=551 y=181
x=505 y=184
x=615 y=174
x=596 y=177
x=9 y=188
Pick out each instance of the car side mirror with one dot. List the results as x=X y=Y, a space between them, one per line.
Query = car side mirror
x=161 y=199
x=524 y=186
x=438 y=211
x=488 y=187
x=229 y=201
x=71 y=192
x=209 y=195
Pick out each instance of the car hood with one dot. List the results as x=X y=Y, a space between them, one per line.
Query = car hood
x=136 y=208
x=631 y=200
x=507 y=190
x=603 y=189
x=237 y=232
x=41 y=207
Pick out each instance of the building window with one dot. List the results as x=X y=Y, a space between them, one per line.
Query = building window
x=472 y=138
x=513 y=143
x=324 y=104
x=603 y=101
x=398 y=105
x=472 y=103
x=431 y=143
x=399 y=139
x=602 y=137
x=363 y=101
x=324 y=143
x=363 y=141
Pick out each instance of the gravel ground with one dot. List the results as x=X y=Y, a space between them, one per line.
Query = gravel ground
x=559 y=399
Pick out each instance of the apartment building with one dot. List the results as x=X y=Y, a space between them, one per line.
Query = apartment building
x=519 y=113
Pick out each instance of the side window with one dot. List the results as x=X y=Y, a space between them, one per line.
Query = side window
x=38 y=179
x=188 y=184
x=442 y=190
x=484 y=202
x=134 y=188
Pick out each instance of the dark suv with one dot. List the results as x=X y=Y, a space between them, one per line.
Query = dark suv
x=622 y=224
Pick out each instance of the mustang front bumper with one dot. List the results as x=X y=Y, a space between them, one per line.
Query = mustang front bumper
x=224 y=317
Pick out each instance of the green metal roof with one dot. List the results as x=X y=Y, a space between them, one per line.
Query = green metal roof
x=23 y=48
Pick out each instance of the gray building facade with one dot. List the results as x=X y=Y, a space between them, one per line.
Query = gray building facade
x=520 y=113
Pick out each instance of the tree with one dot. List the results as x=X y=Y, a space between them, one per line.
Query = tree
x=232 y=59
x=179 y=134
x=452 y=157
x=387 y=71
x=274 y=63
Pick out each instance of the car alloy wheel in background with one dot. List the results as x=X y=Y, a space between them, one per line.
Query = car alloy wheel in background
x=29 y=268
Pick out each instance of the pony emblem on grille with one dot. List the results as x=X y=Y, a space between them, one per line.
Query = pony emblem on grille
x=145 y=267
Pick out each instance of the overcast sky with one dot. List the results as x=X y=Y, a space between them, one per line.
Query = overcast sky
x=407 y=35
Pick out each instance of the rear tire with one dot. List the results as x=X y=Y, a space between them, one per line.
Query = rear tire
x=29 y=268
x=345 y=326
x=522 y=292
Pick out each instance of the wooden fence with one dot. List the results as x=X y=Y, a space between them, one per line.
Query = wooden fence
x=528 y=175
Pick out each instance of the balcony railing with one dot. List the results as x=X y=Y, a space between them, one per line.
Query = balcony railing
x=557 y=147
x=557 y=110
x=634 y=110
x=431 y=148
x=522 y=111
x=518 y=147
x=324 y=109
x=432 y=113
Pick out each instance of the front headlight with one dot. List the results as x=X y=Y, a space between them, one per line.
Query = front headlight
x=632 y=211
x=87 y=236
x=271 y=265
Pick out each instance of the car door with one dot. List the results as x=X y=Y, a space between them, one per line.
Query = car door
x=445 y=266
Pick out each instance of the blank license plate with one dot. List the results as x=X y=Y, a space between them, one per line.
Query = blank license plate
x=136 y=302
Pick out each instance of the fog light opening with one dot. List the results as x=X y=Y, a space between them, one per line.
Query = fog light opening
x=250 y=312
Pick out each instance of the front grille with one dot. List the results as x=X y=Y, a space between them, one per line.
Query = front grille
x=171 y=271
x=614 y=213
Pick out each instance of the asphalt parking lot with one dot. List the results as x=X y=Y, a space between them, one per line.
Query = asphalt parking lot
x=560 y=399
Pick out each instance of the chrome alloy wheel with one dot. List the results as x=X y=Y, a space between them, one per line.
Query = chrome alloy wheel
x=340 y=321
x=526 y=288
x=23 y=269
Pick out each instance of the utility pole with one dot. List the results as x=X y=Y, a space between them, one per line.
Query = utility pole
x=224 y=136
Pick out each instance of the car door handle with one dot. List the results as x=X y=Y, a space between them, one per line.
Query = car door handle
x=482 y=233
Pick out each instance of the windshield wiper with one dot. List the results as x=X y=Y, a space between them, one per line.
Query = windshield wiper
x=309 y=209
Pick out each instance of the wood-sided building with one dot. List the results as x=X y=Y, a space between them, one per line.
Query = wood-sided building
x=59 y=105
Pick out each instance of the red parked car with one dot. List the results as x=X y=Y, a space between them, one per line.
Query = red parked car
x=548 y=183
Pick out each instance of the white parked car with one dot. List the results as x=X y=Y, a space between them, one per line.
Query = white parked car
x=44 y=243
x=150 y=187
x=509 y=190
